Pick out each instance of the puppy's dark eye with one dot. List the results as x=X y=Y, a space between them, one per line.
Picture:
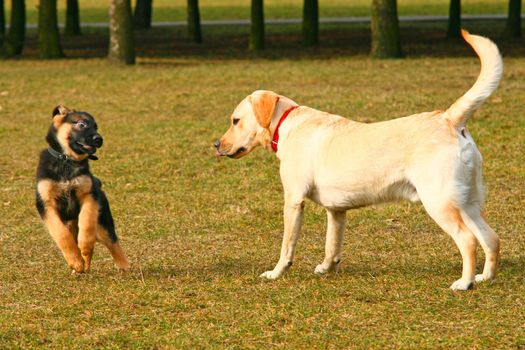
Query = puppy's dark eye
x=235 y=121
x=81 y=124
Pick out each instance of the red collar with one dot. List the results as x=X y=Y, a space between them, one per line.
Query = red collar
x=275 y=138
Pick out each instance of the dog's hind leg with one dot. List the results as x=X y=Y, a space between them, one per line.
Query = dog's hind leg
x=293 y=217
x=111 y=242
x=488 y=239
x=334 y=241
x=448 y=217
x=106 y=234
x=72 y=226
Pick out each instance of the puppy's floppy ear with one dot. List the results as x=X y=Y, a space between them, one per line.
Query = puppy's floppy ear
x=60 y=110
x=263 y=105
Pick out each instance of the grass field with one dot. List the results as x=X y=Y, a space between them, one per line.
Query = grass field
x=175 y=10
x=200 y=230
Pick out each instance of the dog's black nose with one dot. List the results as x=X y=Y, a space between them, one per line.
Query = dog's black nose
x=217 y=144
x=97 y=140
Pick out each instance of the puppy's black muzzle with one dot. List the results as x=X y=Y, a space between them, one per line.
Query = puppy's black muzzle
x=97 y=141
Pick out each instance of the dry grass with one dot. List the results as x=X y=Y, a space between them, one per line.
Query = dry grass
x=200 y=230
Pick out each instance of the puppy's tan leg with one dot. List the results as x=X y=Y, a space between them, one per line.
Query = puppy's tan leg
x=64 y=239
x=114 y=248
x=293 y=217
x=334 y=241
x=488 y=239
x=87 y=225
x=72 y=226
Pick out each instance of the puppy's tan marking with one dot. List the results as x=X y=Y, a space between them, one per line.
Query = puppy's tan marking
x=114 y=248
x=87 y=219
x=63 y=135
x=58 y=231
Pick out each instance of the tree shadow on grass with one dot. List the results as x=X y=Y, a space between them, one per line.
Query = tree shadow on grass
x=283 y=42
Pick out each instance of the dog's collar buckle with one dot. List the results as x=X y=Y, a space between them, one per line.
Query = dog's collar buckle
x=275 y=138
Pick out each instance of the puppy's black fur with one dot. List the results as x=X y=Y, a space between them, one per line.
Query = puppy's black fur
x=66 y=188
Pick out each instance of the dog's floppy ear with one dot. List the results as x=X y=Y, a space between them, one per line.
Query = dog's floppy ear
x=60 y=110
x=263 y=104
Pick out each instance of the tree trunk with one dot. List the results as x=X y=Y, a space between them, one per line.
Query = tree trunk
x=257 y=26
x=14 y=40
x=142 y=16
x=454 y=19
x=121 y=36
x=48 y=35
x=72 y=19
x=514 y=19
x=385 y=30
x=310 y=22
x=194 y=21
x=2 y=23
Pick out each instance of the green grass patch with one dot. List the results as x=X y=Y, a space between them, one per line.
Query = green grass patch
x=200 y=230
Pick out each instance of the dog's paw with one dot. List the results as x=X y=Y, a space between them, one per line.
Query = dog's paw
x=462 y=285
x=271 y=275
x=124 y=267
x=77 y=267
x=482 y=278
x=321 y=269
x=75 y=272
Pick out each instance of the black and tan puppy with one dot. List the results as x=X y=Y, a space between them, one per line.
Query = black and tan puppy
x=69 y=198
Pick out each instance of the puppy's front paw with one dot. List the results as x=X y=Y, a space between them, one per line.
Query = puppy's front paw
x=124 y=267
x=271 y=275
x=462 y=285
x=77 y=267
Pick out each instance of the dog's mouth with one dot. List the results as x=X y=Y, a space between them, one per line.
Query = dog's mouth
x=87 y=148
x=240 y=152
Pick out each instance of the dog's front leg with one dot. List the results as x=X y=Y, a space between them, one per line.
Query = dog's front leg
x=87 y=225
x=293 y=217
x=334 y=241
x=64 y=239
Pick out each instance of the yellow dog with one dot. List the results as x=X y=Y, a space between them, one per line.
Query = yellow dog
x=341 y=164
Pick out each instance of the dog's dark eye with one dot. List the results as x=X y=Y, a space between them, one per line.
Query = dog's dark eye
x=81 y=124
x=235 y=121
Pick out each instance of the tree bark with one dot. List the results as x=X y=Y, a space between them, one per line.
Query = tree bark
x=48 y=35
x=2 y=23
x=385 y=30
x=310 y=22
x=257 y=26
x=454 y=19
x=14 y=40
x=72 y=19
x=121 y=36
x=513 y=28
x=194 y=21
x=142 y=15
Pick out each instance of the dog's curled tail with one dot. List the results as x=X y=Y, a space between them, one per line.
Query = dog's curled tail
x=488 y=80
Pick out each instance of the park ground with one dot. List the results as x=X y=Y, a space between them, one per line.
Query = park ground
x=199 y=230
